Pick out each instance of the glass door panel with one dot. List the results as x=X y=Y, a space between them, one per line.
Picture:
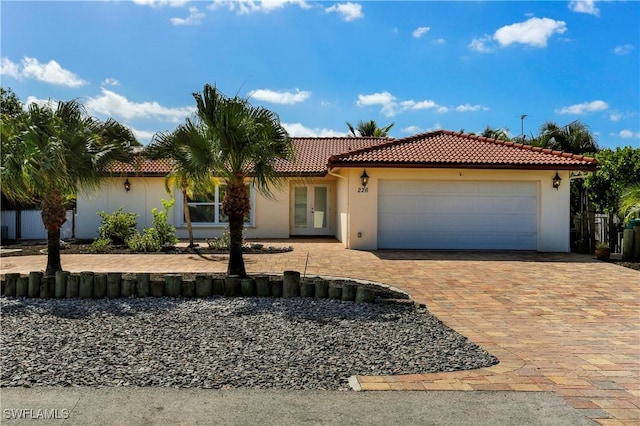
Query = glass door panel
x=300 y=207
x=319 y=207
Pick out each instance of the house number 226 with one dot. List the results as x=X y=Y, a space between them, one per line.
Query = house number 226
x=363 y=189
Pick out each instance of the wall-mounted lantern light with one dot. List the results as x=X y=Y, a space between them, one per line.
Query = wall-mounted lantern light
x=556 y=181
x=364 y=177
x=127 y=185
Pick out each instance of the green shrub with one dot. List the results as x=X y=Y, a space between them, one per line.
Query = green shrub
x=159 y=236
x=147 y=242
x=100 y=245
x=117 y=227
x=224 y=242
x=163 y=230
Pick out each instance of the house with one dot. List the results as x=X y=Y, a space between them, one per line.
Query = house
x=436 y=190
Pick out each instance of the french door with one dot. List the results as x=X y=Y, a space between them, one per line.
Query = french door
x=310 y=212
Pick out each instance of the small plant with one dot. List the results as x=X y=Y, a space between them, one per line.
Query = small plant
x=224 y=242
x=117 y=227
x=163 y=230
x=602 y=250
x=147 y=242
x=160 y=235
x=100 y=245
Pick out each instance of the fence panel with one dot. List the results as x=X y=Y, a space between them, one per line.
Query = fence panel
x=31 y=225
x=8 y=219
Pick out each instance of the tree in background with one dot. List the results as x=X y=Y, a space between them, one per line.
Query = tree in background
x=617 y=171
x=245 y=141
x=54 y=153
x=495 y=133
x=368 y=129
x=575 y=137
x=630 y=203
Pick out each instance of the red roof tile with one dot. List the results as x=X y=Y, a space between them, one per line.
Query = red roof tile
x=445 y=148
x=311 y=154
x=142 y=166
x=441 y=148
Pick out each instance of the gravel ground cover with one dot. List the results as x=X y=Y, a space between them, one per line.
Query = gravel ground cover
x=222 y=343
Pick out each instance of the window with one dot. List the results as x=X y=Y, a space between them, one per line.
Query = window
x=206 y=209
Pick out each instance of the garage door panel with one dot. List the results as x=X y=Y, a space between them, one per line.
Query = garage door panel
x=457 y=215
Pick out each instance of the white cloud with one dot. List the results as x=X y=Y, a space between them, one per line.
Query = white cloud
x=9 y=68
x=482 y=44
x=160 y=3
x=615 y=116
x=584 y=6
x=439 y=41
x=50 y=72
x=468 y=107
x=40 y=102
x=420 y=31
x=299 y=130
x=414 y=130
x=533 y=32
x=243 y=7
x=195 y=18
x=113 y=104
x=385 y=99
x=284 y=98
x=391 y=106
x=143 y=136
x=411 y=130
x=628 y=134
x=584 y=108
x=625 y=49
x=349 y=11
x=110 y=82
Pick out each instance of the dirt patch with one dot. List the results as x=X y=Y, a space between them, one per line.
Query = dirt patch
x=84 y=247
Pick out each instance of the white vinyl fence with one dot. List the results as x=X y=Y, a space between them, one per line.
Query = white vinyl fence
x=31 y=225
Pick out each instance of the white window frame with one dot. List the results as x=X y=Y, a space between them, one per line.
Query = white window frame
x=217 y=206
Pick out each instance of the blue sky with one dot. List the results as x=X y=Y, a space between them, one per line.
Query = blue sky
x=423 y=65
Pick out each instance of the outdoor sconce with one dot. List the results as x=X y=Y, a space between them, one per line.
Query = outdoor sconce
x=127 y=185
x=556 y=181
x=365 y=177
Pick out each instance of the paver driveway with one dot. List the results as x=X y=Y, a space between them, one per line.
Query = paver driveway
x=558 y=322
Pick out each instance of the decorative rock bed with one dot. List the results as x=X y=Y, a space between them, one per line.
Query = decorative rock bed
x=118 y=329
x=113 y=285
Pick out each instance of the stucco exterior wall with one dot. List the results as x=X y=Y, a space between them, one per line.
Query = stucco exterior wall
x=361 y=228
x=145 y=194
x=270 y=218
x=353 y=210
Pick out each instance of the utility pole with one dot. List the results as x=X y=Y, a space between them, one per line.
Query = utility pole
x=522 y=117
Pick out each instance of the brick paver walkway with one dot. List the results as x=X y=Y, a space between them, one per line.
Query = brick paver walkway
x=564 y=323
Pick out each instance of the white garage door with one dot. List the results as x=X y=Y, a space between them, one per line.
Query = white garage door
x=443 y=215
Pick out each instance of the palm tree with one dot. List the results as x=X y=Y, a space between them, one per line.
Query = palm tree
x=630 y=202
x=493 y=133
x=245 y=141
x=575 y=137
x=189 y=151
x=368 y=129
x=56 y=153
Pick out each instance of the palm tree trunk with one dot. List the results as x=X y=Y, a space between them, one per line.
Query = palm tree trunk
x=53 y=216
x=54 y=263
x=236 y=206
x=187 y=215
x=236 y=261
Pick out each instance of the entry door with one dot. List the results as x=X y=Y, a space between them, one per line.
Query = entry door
x=310 y=215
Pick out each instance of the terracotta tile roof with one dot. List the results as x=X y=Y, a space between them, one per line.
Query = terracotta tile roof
x=441 y=148
x=311 y=154
x=445 y=148
x=142 y=166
